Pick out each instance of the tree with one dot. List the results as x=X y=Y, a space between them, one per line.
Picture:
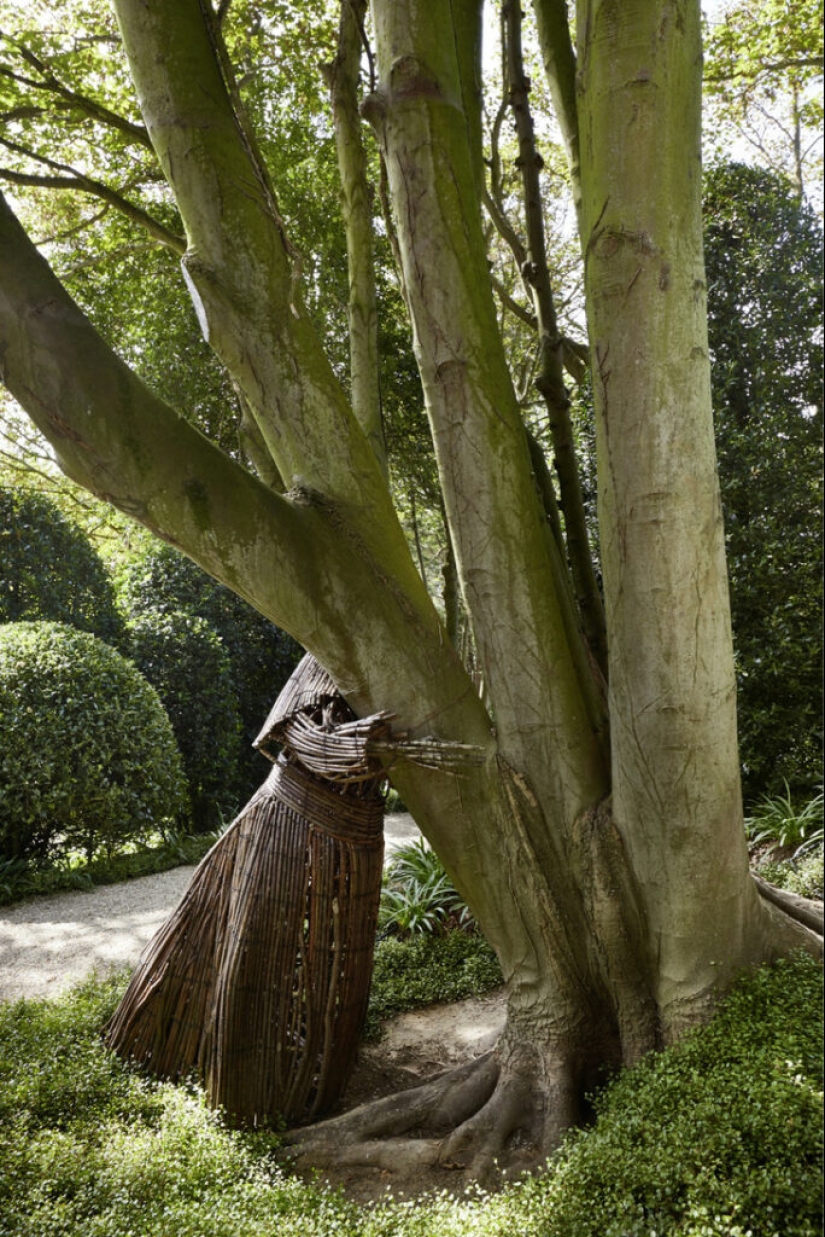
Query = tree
x=763 y=77
x=763 y=253
x=609 y=874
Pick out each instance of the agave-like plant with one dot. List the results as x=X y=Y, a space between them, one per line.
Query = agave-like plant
x=418 y=895
x=779 y=824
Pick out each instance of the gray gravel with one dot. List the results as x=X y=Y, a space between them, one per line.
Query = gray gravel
x=49 y=944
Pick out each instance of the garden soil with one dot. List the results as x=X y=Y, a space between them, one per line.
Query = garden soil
x=49 y=944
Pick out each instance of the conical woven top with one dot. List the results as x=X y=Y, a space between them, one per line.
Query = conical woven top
x=308 y=686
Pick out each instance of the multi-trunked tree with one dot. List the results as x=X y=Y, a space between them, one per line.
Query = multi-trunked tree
x=596 y=833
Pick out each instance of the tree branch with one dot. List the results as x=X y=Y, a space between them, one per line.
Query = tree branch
x=297 y=558
x=243 y=273
x=550 y=380
x=481 y=445
x=97 y=111
x=770 y=66
x=512 y=304
x=77 y=180
x=342 y=78
x=560 y=66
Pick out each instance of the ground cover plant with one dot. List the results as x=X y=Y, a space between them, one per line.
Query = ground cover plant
x=720 y=1136
x=20 y=879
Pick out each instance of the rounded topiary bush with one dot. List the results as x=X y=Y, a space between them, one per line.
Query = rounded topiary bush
x=87 y=753
x=50 y=570
x=183 y=658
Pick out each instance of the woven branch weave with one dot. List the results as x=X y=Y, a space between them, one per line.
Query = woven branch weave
x=259 y=980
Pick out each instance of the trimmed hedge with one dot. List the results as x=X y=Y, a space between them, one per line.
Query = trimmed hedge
x=88 y=760
x=183 y=658
x=161 y=580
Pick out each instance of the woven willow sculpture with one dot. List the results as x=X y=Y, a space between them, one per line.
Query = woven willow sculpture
x=259 y=979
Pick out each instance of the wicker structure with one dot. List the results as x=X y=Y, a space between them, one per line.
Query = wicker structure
x=260 y=978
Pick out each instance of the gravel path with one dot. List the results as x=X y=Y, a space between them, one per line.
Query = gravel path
x=49 y=944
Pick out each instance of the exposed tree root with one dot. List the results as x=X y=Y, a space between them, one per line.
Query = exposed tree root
x=804 y=910
x=492 y=1118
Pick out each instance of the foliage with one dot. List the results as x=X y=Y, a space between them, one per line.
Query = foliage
x=158 y=580
x=87 y=752
x=804 y=875
x=717 y=1137
x=418 y=895
x=763 y=71
x=777 y=821
x=763 y=254
x=720 y=1135
x=183 y=658
x=50 y=570
x=393 y=802
x=424 y=969
x=19 y=879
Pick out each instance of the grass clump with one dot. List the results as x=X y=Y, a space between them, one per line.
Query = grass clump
x=778 y=823
x=418 y=896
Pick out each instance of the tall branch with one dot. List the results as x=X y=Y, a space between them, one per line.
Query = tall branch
x=243 y=273
x=523 y=637
x=71 y=98
x=342 y=78
x=559 y=59
x=550 y=379
x=72 y=179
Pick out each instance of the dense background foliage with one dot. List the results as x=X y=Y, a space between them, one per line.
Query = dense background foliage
x=49 y=569
x=160 y=581
x=184 y=659
x=763 y=252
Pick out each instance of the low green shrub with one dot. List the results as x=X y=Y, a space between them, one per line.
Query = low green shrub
x=426 y=969
x=87 y=753
x=19 y=879
x=183 y=658
x=720 y=1136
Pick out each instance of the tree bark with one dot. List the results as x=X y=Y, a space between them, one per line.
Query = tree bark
x=675 y=775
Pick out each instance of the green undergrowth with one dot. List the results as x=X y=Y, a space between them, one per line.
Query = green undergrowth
x=718 y=1137
x=802 y=875
x=424 y=969
x=21 y=880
